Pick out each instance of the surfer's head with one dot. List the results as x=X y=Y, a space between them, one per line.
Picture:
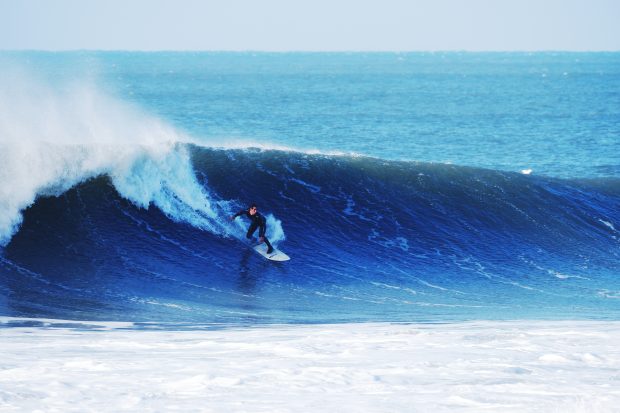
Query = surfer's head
x=253 y=208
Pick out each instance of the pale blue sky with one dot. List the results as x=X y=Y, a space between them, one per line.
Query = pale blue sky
x=280 y=25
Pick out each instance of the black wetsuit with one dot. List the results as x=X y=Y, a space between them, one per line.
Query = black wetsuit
x=258 y=221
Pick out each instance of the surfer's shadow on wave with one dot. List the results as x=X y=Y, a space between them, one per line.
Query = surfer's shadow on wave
x=247 y=280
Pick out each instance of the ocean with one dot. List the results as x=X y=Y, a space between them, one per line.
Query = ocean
x=453 y=223
x=425 y=187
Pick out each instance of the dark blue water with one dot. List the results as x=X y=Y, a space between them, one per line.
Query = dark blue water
x=431 y=218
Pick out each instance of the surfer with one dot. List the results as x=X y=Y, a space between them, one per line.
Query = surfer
x=258 y=221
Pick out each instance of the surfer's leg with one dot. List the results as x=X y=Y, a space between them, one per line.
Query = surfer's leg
x=269 y=247
x=251 y=230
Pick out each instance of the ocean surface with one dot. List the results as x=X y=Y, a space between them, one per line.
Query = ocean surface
x=416 y=187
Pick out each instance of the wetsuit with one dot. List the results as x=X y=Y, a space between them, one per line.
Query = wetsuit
x=258 y=221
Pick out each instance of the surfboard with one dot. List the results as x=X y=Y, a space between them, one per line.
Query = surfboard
x=276 y=255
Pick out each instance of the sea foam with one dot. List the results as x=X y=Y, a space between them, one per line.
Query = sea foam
x=518 y=366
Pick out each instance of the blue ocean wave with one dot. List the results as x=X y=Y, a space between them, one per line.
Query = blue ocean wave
x=370 y=239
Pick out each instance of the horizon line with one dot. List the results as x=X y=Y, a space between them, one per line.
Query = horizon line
x=395 y=51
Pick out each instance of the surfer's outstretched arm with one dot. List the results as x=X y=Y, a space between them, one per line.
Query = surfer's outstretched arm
x=243 y=211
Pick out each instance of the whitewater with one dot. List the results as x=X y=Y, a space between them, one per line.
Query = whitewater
x=53 y=365
x=452 y=222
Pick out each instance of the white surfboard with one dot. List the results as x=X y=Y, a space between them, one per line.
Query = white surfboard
x=276 y=255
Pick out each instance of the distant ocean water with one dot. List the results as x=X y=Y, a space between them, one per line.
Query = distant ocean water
x=405 y=186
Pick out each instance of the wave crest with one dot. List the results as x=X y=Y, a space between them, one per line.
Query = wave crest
x=53 y=138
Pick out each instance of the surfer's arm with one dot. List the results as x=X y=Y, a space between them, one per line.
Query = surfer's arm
x=237 y=214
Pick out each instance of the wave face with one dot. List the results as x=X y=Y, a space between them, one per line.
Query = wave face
x=370 y=239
